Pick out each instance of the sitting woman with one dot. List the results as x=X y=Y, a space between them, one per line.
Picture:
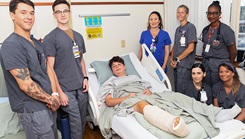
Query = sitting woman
x=229 y=91
x=196 y=88
x=166 y=110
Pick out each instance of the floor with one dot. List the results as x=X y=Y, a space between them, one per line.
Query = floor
x=92 y=134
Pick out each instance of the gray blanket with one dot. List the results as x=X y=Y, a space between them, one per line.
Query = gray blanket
x=175 y=103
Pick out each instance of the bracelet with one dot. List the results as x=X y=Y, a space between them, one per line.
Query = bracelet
x=177 y=60
x=55 y=94
x=85 y=77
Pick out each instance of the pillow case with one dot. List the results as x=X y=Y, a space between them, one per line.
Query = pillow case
x=3 y=88
x=103 y=71
x=10 y=122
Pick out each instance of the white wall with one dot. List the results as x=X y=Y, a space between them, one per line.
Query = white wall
x=115 y=29
x=197 y=15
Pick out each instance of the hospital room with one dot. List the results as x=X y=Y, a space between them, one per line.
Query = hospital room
x=147 y=69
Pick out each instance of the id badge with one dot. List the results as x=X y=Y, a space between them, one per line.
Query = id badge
x=204 y=97
x=76 y=51
x=207 y=48
x=182 y=41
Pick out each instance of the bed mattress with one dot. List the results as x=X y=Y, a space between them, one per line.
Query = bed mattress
x=232 y=129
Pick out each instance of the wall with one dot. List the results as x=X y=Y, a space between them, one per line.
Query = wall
x=197 y=15
x=115 y=28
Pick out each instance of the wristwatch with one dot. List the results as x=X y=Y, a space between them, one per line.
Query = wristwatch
x=85 y=77
x=177 y=59
x=55 y=94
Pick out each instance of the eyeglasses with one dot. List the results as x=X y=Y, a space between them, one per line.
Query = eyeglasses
x=60 y=12
x=212 y=13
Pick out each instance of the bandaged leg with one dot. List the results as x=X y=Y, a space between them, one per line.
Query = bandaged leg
x=227 y=114
x=165 y=121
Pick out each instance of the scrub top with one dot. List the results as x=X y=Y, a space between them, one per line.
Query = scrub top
x=190 y=90
x=227 y=101
x=221 y=39
x=159 y=42
x=183 y=36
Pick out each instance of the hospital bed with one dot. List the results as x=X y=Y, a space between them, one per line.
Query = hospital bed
x=128 y=127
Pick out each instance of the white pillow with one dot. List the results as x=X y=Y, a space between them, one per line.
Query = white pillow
x=10 y=123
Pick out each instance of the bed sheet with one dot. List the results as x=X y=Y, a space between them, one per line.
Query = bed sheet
x=94 y=85
x=156 y=86
x=232 y=129
x=10 y=123
x=128 y=127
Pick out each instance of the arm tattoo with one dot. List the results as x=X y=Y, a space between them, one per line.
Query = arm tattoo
x=36 y=92
x=22 y=74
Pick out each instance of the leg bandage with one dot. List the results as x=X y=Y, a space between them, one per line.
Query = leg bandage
x=165 y=121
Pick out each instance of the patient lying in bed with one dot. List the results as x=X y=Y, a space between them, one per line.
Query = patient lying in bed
x=170 y=112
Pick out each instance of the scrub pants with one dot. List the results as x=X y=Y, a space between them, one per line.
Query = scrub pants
x=40 y=124
x=77 y=109
x=211 y=66
x=181 y=76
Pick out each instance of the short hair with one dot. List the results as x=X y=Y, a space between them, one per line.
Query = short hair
x=160 y=18
x=185 y=7
x=14 y=3
x=115 y=59
x=215 y=4
x=198 y=65
x=57 y=2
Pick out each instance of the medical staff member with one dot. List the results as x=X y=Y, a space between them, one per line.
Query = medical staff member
x=184 y=49
x=65 y=48
x=29 y=79
x=229 y=91
x=218 y=44
x=156 y=39
x=196 y=88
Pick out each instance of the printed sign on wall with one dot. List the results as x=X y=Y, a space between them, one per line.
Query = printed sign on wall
x=91 y=21
x=94 y=32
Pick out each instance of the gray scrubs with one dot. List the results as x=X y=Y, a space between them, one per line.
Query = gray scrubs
x=218 y=51
x=19 y=53
x=190 y=90
x=182 y=73
x=227 y=101
x=69 y=73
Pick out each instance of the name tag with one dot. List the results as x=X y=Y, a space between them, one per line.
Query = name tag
x=207 y=48
x=204 y=97
x=182 y=41
x=76 y=51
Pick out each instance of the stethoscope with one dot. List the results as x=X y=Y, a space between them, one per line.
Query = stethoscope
x=205 y=31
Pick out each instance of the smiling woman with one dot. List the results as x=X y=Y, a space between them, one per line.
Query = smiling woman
x=196 y=88
x=229 y=91
x=219 y=43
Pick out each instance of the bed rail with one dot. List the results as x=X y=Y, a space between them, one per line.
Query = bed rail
x=94 y=106
x=153 y=68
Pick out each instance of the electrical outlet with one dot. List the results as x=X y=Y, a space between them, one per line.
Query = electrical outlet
x=123 y=44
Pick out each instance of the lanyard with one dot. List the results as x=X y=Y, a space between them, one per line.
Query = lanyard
x=211 y=32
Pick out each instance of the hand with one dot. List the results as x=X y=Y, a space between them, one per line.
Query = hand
x=173 y=64
x=54 y=103
x=147 y=92
x=163 y=68
x=85 y=85
x=63 y=99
